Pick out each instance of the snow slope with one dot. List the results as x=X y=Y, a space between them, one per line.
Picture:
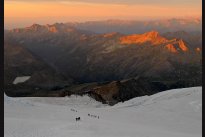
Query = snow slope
x=173 y=113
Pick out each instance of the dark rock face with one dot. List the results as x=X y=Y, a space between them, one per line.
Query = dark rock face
x=135 y=88
x=119 y=91
x=108 y=92
x=18 y=61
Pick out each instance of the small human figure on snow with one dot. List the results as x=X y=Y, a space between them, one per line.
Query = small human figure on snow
x=77 y=119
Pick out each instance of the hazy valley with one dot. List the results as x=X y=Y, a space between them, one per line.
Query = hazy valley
x=111 y=61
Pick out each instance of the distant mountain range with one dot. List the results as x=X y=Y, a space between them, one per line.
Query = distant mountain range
x=108 y=66
x=134 y=26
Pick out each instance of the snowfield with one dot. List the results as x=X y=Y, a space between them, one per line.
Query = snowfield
x=21 y=79
x=173 y=113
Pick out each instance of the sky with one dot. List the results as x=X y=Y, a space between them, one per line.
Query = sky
x=21 y=13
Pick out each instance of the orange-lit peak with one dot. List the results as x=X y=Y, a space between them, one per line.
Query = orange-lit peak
x=153 y=37
x=52 y=28
x=34 y=27
x=176 y=45
x=171 y=48
x=152 y=34
x=182 y=45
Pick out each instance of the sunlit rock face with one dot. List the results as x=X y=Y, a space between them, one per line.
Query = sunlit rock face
x=171 y=48
x=153 y=38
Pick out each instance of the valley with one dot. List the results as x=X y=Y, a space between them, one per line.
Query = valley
x=112 y=67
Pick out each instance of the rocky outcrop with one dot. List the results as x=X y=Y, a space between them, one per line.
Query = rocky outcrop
x=119 y=91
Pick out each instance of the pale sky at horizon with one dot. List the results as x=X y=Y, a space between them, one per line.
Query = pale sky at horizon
x=19 y=13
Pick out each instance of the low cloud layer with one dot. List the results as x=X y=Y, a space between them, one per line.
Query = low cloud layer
x=149 y=2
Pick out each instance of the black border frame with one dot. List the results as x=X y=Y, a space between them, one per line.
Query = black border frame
x=2 y=66
x=203 y=70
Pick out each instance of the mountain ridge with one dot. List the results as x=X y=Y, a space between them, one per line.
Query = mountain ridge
x=100 y=59
x=152 y=36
